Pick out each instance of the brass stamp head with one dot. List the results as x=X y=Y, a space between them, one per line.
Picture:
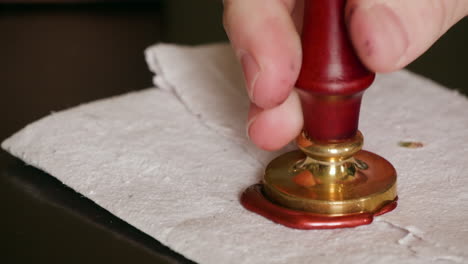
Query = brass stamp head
x=333 y=179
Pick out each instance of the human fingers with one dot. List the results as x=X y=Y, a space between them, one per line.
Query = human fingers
x=389 y=34
x=268 y=46
x=273 y=128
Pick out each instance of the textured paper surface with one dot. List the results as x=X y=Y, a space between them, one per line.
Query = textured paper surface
x=173 y=162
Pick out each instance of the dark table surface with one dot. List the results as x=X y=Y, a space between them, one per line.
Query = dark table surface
x=54 y=57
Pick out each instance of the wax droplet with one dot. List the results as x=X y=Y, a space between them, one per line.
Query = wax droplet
x=305 y=179
x=410 y=144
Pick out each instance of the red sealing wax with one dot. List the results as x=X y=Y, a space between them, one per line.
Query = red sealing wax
x=254 y=200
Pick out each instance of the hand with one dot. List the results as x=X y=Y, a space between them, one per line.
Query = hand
x=387 y=35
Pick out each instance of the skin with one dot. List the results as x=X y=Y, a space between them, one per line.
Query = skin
x=387 y=36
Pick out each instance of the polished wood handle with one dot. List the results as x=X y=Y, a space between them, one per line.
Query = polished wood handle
x=332 y=78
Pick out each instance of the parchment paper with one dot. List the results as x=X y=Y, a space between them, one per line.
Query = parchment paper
x=173 y=162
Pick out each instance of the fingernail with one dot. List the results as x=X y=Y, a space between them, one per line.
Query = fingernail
x=249 y=124
x=253 y=114
x=387 y=25
x=251 y=71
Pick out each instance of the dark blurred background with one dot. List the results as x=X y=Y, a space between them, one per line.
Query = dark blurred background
x=59 y=54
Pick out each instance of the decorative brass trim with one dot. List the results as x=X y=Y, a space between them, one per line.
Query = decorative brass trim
x=333 y=179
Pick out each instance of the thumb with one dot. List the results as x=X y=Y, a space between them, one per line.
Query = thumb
x=390 y=34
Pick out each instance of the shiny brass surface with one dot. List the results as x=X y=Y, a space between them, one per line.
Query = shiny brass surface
x=333 y=179
x=333 y=151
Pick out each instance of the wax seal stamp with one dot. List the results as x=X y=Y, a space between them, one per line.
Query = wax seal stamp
x=330 y=182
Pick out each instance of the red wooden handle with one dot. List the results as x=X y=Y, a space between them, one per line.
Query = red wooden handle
x=332 y=79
